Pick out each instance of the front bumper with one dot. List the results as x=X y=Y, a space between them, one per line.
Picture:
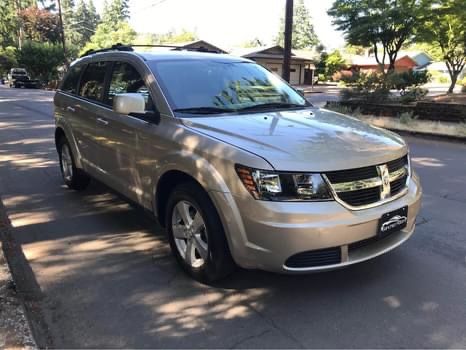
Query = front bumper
x=264 y=235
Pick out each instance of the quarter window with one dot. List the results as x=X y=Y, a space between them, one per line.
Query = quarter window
x=92 y=81
x=125 y=78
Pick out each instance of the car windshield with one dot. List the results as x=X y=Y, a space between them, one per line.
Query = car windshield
x=19 y=72
x=213 y=87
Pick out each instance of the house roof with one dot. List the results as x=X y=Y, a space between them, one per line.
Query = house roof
x=371 y=61
x=199 y=44
x=270 y=52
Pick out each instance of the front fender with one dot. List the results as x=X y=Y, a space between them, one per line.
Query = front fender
x=193 y=165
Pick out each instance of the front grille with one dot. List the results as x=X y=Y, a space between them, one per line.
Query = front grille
x=397 y=164
x=368 y=192
x=397 y=185
x=361 y=197
x=315 y=258
x=352 y=174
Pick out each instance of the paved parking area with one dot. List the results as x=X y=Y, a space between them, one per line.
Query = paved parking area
x=103 y=275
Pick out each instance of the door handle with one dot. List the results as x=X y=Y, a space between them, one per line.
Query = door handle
x=102 y=121
x=70 y=109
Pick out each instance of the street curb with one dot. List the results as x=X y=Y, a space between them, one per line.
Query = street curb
x=27 y=288
x=430 y=136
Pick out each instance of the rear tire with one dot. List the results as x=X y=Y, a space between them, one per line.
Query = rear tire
x=196 y=234
x=74 y=178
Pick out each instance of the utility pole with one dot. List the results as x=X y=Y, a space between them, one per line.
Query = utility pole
x=18 y=8
x=288 y=38
x=63 y=41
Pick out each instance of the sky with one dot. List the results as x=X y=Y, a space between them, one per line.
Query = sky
x=227 y=23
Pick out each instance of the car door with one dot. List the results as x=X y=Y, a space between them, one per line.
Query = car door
x=65 y=101
x=88 y=110
x=121 y=136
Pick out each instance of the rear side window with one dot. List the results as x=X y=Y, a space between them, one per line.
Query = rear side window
x=125 y=78
x=92 y=81
x=70 y=84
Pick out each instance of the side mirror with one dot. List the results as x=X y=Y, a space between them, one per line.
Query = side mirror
x=129 y=103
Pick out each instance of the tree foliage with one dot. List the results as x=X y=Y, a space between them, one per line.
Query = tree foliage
x=384 y=25
x=7 y=59
x=41 y=59
x=304 y=36
x=39 y=25
x=445 y=27
x=8 y=23
x=116 y=11
x=84 y=24
x=106 y=36
x=330 y=64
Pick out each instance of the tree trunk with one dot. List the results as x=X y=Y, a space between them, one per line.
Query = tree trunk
x=454 y=78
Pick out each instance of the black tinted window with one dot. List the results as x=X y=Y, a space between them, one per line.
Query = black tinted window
x=92 y=81
x=125 y=78
x=70 y=84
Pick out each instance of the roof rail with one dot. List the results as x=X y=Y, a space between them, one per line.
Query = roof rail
x=122 y=47
x=179 y=48
x=116 y=47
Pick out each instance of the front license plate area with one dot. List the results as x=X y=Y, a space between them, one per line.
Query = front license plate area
x=393 y=221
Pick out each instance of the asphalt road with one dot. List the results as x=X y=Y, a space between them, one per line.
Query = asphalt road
x=107 y=279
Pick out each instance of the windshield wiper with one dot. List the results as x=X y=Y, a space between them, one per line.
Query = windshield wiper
x=204 y=110
x=272 y=105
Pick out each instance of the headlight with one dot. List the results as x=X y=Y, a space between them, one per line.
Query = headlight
x=277 y=186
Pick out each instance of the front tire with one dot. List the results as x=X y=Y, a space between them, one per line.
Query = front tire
x=74 y=178
x=196 y=234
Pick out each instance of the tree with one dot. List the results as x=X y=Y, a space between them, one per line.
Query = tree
x=106 y=37
x=304 y=36
x=39 y=25
x=115 y=12
x=445 y=27
x=8 y=23
x=41 y=59
x=86 y=21
x=330 y=64
x=7 y=59
x=334 y=63
x=378 y=23
x=173 y=37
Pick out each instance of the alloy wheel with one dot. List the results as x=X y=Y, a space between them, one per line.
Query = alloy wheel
x=190 y=234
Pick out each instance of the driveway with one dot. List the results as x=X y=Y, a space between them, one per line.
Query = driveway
x=102 y=274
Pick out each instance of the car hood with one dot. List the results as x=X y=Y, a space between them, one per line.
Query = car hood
x=304 y=140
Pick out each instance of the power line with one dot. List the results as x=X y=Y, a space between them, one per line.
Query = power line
x=150 y=6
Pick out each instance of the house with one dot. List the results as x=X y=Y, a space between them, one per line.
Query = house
x=271 y=57
x=370 y=64
x=421 y=58
x=199 y=45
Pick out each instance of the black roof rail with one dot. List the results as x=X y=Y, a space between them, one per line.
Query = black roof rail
x=116 y=47
x=129 y=48
x=179 y=48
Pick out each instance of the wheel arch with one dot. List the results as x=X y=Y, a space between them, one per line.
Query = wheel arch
x=165 y=185
x=61 y=131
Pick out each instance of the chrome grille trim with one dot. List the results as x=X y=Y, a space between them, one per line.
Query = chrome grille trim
x=373 y=182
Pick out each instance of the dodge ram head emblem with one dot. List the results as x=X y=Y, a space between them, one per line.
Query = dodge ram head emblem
x=385 y=177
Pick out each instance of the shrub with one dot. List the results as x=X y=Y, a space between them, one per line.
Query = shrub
x=41 y=59
x=407 y=117
x=375 y=86
x=413 y=95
